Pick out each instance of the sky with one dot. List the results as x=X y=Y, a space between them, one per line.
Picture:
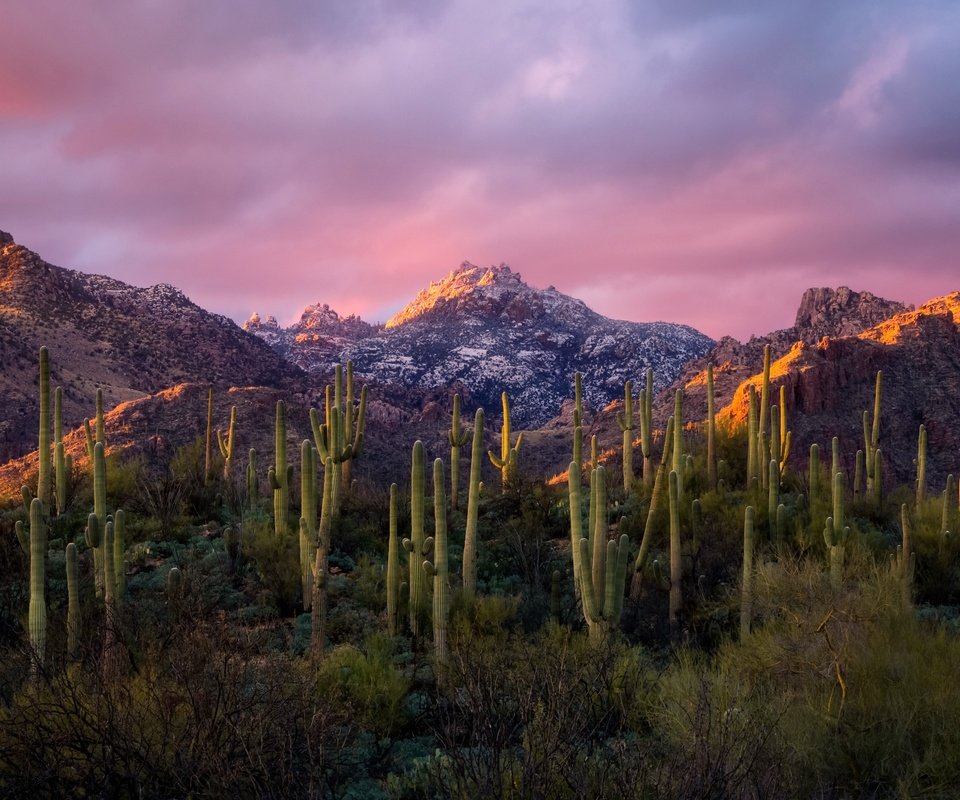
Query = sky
x=696 y=162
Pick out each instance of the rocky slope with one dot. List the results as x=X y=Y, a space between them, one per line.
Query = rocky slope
x=103 y=332
x=484 y=331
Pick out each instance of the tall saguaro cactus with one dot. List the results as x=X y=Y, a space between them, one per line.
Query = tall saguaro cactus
x=922 y=465
x=473 y=509
x=43 y=441
x=225 y=441
x=100 y=510
x=458 y=438
x=253 y=485
x=625 y=421
x=871 y=432
x=318 y=610
x=308 y=520
x=753 y=450
x=762 y=422
x=340 y=437
x=393 y=567
x=38 y=603
x=281 y=473
x=646 y=429
x=509 y=457
x=418 y=545
x=73 y=600
x=438 y=568
x=601 y=597
x=62 y=461
x=676 y=568
x=711 y=432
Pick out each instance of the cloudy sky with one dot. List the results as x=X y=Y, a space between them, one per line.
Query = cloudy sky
x=700 y=162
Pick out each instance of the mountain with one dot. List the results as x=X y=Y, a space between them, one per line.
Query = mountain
x=103 y=332
x=827 y=363
x=823 y=312
x=484 y=331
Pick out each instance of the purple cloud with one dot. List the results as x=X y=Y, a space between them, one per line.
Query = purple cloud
x=660 y=160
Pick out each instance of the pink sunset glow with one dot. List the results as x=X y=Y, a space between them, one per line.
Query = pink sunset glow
x=697 y=163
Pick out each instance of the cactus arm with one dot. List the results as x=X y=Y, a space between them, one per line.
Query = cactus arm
x=473 y=504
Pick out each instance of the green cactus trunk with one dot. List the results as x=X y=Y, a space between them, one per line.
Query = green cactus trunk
x=473 y=505
x=439 y=570
x=73 y=601
x=318 y=606
x=253 y=485
x=678 y=455
x=393 y=567
x=38 y=604
x=458 y=438
x=646 y=429
x=279 y=475
x=100 y=509
x=60 y=472
x=762 y=422
x=308 y=520
x=43 y=441
x=773 y=496
x=601 y=612
x=753 y=471
x=225 y=443
x=508 y=460
x=625 y=420
x=676 y=573
x=417 y=546
x=577 y=418
x=922 y=465
x=746 y=593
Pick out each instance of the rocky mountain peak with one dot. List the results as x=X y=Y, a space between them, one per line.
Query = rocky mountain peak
x=255 y=323
x=474 y=291
x=841 y=312
x=5 y=238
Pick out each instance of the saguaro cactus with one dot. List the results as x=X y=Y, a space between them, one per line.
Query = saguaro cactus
x=676 y=568
x=62 y=461
x=625 y=421
x=922 y=465
x=100 y=510
x=318 y=613
x=507 y=461
x=473 y=505
x=678 y=455
x=418 y=545
x=393 y=567
x=871 y=432
x=73 y=600
x=835 y=539
x=253 y=485
x=43 y=442
x=438 y=569
x=711 y=432
x=308 y=519
x=458 y=438
x=38 y=603
x=601 y=611
x=762 y=422
x=281 y=473
x=225 y=441
x=646 y=428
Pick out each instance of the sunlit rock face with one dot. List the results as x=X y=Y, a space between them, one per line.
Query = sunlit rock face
x=827 y=365
x=485 y=331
